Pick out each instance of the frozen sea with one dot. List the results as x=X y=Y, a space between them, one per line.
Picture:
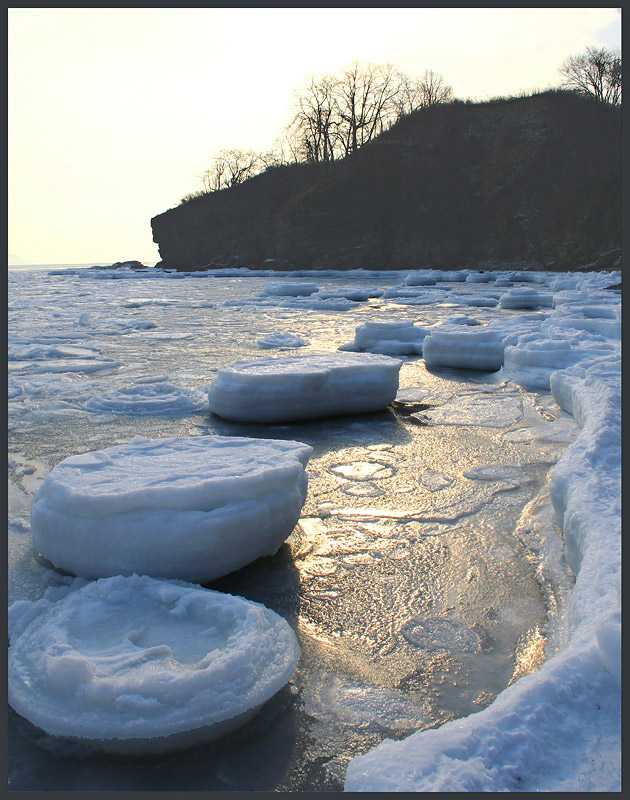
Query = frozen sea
x=454 y=578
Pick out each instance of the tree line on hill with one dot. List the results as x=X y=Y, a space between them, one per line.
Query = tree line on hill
x=333 y=116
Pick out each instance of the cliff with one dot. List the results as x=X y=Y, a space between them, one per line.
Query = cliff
x=534 y=180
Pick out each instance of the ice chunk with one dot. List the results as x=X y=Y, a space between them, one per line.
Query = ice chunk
x=281 y=341
x=291 y=289
x=464 y=348
x=356 y=294
x=421 y=278
x=304 y=386
x=525 y=298
x=192 y=508
x=155 y=399
x=134 y=664
x=393 y=337
x=534 y=357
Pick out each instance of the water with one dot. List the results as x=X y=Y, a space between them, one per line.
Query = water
x=411 y=579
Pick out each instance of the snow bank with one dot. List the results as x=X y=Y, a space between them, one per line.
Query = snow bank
x=133 y=664
x=304 y=386
x=394 y=338
x=191 y=508
x=559 y=728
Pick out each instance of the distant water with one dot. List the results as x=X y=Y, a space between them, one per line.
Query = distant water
x=414 y=598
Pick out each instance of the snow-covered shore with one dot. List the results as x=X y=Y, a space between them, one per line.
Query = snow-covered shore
x=558 y=729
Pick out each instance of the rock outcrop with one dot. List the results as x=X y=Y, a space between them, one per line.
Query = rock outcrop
x=534 y=180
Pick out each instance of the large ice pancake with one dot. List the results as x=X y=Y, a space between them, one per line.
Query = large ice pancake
x=192 y=508
x=304 y=387
x=135 y=665
x=464 y=348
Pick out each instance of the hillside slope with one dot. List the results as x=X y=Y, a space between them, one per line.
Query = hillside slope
x=530 y=180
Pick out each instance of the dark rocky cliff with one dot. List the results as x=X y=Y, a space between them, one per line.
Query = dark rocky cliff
x=525 y=181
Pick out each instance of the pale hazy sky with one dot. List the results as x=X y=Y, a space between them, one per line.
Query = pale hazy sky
x=115 y=112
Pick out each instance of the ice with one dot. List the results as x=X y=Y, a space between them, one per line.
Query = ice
x=281 y=341
x=291 y=289
x=420 y=278
x=304 y=387
x=357 y=295
x=535 y=356
x=514 y=744
x=428 y=633
x=479 y=277
x=557 y=729
x=525 y=298
x=154 y=399
x=193 y=508
x=333 y=701
x=464 y=347
x=392 y=337
x=485 y=410
x=134 y=664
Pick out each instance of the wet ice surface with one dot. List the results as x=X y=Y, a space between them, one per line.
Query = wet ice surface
x=413 y=599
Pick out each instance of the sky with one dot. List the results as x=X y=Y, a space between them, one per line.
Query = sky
x=114 y=113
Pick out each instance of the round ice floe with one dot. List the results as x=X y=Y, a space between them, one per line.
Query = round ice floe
x=155 y=399
x=134 y=664
x=304 y=387
x=192 y=508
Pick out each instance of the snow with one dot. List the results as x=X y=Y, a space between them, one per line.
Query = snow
x=303 y=387
x=193 y=508
x=141 y=665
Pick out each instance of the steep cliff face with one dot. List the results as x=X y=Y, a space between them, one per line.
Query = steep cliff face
x=533 y=180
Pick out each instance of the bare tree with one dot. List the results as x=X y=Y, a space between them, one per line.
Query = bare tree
x=231 y=167
x=365 y=103
x=433 y=90
x=409 y=96
x=336 y=115
x=597 y=73
x=313 y=127
x=333 y=116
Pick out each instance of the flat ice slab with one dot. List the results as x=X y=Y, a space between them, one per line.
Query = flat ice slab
x=134 y=664
x=400 y=337
x=191 y=508
x=304 y=386
x=464 y=347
